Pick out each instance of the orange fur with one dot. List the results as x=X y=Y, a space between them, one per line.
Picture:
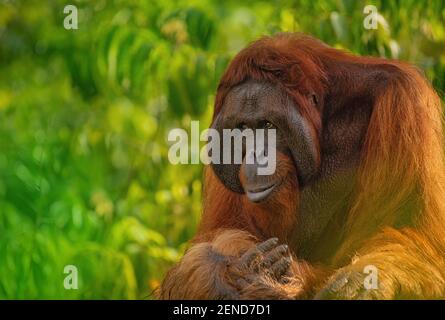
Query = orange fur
x=396 y=218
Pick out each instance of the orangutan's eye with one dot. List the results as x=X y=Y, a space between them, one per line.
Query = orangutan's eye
x=269 y=125
x=314 y=99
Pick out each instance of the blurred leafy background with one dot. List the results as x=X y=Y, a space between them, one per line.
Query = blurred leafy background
x=84 y=117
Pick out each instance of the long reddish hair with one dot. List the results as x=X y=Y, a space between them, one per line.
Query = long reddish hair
x=402 y=170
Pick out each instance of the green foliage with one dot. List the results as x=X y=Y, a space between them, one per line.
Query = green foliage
x=84 y=175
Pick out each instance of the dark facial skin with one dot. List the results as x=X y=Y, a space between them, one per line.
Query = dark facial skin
x=256 y=105
x=324 y=182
